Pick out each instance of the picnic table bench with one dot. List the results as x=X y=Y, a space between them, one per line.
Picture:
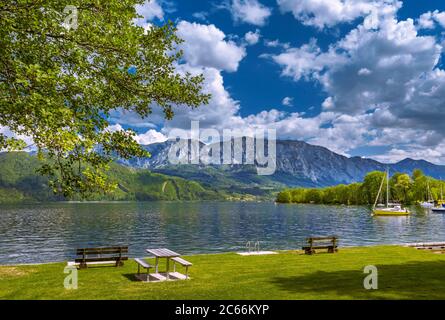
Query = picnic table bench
x=144 y=264
x=102 y=255
x=316 y=243
x=182 y=262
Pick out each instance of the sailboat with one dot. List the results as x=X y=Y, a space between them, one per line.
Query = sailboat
x=441 y=204
x=389 y=209
x=430 y=202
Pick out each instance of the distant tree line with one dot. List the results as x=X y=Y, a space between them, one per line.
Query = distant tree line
x=403 y=188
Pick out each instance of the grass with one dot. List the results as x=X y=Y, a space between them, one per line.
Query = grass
x=404 y=273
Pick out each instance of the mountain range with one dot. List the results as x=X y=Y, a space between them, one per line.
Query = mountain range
x=155 y=178
x=297 y=164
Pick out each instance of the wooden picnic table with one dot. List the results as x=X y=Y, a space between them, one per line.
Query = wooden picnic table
x=163 y=253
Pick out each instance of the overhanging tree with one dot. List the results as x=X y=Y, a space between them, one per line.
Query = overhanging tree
x=59 y=83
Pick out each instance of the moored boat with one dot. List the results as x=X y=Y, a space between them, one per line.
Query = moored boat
x=440 y=204
x=430 y=202
x=438 y=209
x=427 y=204
x=390 y=209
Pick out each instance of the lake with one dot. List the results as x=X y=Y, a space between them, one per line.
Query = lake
x=51 y=232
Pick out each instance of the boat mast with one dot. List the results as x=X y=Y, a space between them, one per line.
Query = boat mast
x=378 y=194
x=387 y=187
x=441 y=190
x=427 y=190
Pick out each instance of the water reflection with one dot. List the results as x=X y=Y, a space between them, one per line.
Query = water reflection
x=51 y=232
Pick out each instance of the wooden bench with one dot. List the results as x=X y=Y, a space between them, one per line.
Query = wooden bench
x=103 y=255
x=316 y=243
x=182 y=262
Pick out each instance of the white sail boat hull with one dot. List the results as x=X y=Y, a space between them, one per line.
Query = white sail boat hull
x=427 y=205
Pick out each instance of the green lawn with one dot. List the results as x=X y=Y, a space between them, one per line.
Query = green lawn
x=404 y=273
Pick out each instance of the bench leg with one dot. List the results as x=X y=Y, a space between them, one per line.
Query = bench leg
x=186 y=272
x=332 y=250
x=168 y=269
x=148 y=274
x=139 y=269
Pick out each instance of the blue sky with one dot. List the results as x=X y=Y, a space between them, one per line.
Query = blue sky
x=362 y=77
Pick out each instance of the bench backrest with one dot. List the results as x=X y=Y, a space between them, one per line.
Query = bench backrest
x=331 y=240
x=123 y=250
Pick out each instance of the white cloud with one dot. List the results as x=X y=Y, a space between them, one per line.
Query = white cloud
x=114 y=127
x=275 y=44
x=150 y=137
x=429 y=19
x=252 y=38
x=439 y=17
x=214 y=115
x=250 y=11
x=434 y=155
x=201 y=15
x=288 y=101
x=328 y=103
x=221 y=110
x=426 y=21
x=205 y=46
x=364 y=72
x=272 y=43
x=305 y=62
x=132 y=119
x=150 y=10
x=328 y=13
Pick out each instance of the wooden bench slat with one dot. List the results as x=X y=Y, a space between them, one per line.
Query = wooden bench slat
x=143 y=263
x=98 y=259
x=182 y=261
x=101 y=251
x=102 y=248
x=158 y=276
x=178 y=275
x=320 y=247
x=321 y=238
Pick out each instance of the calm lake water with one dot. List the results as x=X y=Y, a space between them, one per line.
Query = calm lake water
x=52 y=232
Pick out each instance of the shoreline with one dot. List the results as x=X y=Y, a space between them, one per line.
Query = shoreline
x=282 y=251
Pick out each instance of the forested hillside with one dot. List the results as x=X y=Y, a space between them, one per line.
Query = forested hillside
x=19 y=182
